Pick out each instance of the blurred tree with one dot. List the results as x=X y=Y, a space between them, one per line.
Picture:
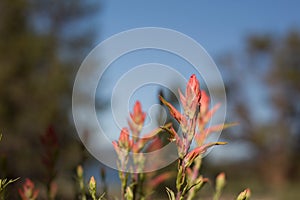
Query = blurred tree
x=42 y=43
x=284 y=82
x=271 y=69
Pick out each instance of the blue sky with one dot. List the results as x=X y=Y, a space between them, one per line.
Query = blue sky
x=217 y=25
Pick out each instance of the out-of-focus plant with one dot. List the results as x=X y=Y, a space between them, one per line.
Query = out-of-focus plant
x=92 y=186
x=244 y=195
x=133 y=184
x=4 y=182
x=93 y=189
x=50 y=146
x=80 y=181
x=103 y=180
x=28 y=192
x=220 y=183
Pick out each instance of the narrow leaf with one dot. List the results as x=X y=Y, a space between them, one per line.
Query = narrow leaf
x=171 y=194
x=102 y=196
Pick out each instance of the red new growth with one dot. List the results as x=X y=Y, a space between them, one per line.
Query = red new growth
x=28 y=192
x=138 y=116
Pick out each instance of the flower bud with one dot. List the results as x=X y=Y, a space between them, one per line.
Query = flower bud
x=138 y=119
x=79 y=171
x=92 y=184
x=191 y=100
x=124 y=140
x=245 y=195
x=220 y=181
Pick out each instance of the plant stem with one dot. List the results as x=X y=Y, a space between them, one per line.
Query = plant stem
x=180 y=180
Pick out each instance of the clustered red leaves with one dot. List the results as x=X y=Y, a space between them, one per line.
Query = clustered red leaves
x=132 y=143
x=137 y=120
x=28 y=192
x=124 y=141
x=191 y=100
x=196 y=115
x=193 y=123
x=138 y=116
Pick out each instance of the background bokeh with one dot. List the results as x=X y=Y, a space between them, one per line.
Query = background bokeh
x=256 y=46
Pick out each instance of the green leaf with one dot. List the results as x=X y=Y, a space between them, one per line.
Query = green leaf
x=171 y=194
x=204 y=147
x=4 y=183
x=102 y=196
x=199 y=183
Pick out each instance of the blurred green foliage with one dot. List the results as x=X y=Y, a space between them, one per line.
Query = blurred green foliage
x=271 y=64
x=41 y=45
